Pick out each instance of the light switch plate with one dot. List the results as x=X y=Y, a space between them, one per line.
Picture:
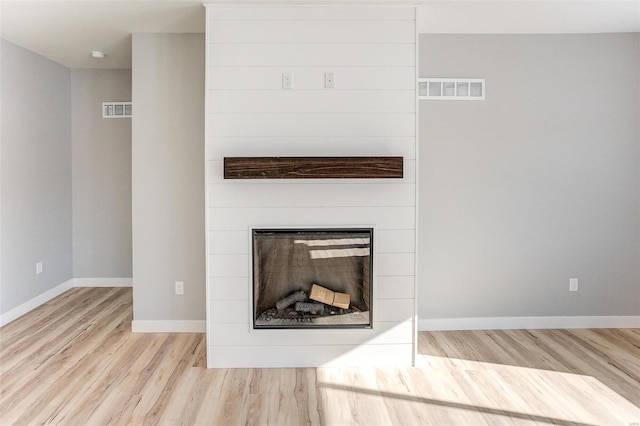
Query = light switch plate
x=287 y=80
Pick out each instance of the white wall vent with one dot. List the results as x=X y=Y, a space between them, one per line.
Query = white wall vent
x=116 y=110
x=451 y=89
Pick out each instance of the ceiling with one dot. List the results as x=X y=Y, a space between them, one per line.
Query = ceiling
x=66 y=31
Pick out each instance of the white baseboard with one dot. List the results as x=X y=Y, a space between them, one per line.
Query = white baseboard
x=519 y=323
x=31 y=304
x=103 y=282
x=161 y=326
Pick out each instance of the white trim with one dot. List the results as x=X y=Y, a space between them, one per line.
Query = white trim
x=416 y=150
x=103 y=282
x=166 y=326
x=517 y=323
x=301 y=3
x=207 y=237
x=31 y=304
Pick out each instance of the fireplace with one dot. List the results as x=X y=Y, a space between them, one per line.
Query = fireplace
x=312 y=278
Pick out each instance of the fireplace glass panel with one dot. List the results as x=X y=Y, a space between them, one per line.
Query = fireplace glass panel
x=312 y=278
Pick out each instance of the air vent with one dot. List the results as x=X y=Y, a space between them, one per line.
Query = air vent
x=116 y=110
x=451 y=89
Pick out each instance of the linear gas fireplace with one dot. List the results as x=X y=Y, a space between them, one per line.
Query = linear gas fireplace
x=312 y=278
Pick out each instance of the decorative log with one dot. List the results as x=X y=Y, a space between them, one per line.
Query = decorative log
x=326 y=296
x=313 y=167
x=298 y=296
x=312 y=308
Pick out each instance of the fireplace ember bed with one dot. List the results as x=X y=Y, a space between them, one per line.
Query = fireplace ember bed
x=312 y=278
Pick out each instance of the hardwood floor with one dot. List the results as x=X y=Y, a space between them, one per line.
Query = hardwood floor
x=74 y=361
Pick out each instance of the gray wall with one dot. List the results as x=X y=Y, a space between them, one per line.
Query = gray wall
x=101 y=175
x=36 y=175
x=168 y=176
x=535 y=185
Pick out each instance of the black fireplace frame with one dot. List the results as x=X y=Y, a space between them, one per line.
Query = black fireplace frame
x=307 y=231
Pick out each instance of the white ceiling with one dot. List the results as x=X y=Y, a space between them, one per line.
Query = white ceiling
x=66 y=31
x=530 y=17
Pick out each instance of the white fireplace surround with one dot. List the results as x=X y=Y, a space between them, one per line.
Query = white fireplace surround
x=371 y=111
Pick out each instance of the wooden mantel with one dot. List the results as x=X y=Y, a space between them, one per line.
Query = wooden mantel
x=313 y=168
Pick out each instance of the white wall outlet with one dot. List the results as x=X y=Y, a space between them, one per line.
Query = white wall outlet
x=329 y=81
x=287 y=80
x=573 y=284
x=38 y=268
x=180 y=287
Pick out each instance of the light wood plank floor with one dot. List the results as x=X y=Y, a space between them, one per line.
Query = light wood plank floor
x=74 y=361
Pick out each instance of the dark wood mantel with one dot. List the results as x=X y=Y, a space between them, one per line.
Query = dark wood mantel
x=313 y=168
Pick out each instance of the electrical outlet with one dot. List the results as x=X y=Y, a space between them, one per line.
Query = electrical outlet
x=329 y=82
x=180 y=287
x=287 y=80
x=39 y=268
x=573 y=284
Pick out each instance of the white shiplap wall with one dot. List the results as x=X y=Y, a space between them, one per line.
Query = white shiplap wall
x=371 y=111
